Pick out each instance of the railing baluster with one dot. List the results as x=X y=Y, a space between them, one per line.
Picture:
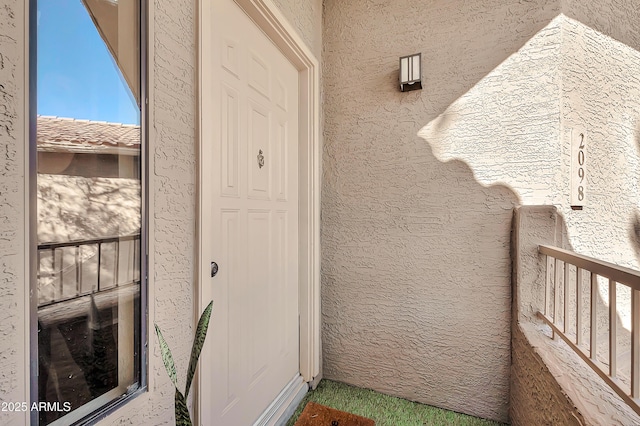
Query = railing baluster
x=612 y=329
x=116 y=278
x=137 y=256
x=81 y=269
x=578 y=306
x=53 y=270
x=635 y=344
x=593 y=343
x=78 y=286
x=99 y=263
x=565 y=320
x=556 y=295
x=62 y=273
x=547 y=285
x=39 y=272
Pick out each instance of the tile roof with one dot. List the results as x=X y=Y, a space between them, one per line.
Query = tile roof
x=56 y=134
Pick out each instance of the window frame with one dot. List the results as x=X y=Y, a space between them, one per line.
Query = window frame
x=113 y=404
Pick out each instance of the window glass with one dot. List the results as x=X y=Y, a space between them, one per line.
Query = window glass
x=89 y=196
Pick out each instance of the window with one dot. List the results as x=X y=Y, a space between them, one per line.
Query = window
x=90 y=283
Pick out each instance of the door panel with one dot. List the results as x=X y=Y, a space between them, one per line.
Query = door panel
x=258 y=74
x=281 y=155
x=229 y=140
x=258 y=283
x=259 y=145
x=230 y=241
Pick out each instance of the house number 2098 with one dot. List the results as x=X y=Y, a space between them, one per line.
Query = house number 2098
x=578 y=168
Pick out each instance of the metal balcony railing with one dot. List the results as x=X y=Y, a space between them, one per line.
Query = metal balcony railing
x=69 y=270
x=565 y=298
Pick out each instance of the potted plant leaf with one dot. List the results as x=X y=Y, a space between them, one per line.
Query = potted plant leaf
x=182 y=411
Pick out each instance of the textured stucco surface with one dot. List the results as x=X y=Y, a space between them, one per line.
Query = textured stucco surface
x=306 y=17
x=416 y=266
x=12 y=207
x=532 y=226
x=600 y=83
x=504 y=84
x=506 y=126
x=536 y=398
x=172 y=184
x=173 y=200
x=418 y=187
x=601 y=92
x=581 y=70
x=551 y=385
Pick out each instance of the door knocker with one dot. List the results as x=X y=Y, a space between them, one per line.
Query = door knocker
x=260 y=159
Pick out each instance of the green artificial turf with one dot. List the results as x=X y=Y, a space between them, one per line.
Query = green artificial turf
x=385 y=410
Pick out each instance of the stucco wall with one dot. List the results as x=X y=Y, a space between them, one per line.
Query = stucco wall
x=504 y=84
x=536 y=397
x=601 y=93
x=172 y=189
x=416 y=214
x=582 y=70
x=13 y=284
x=306 y=18
x=551 y=385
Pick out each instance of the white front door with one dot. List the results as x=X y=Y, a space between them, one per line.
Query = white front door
x=250 y=188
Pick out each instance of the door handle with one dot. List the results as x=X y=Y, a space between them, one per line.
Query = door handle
x=214 y=269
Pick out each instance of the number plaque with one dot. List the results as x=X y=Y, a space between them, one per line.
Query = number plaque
x=578 y=168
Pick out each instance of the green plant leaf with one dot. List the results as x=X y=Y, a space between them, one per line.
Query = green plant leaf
x=198 y=342
x=182 y=412
x=167 y=358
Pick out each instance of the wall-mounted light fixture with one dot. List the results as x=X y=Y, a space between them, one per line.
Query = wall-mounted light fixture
x=410 y=72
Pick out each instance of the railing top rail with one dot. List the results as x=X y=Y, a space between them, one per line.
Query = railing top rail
x=49 y=246
x=617 y=273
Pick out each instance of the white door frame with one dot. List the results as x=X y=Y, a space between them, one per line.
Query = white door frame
x=271 y=21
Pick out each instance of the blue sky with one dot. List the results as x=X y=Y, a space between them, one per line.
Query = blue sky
x=77 y=78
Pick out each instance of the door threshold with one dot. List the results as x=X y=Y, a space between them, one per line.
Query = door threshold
x=285 y=404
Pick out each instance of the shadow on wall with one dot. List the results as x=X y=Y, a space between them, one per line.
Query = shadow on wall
x=589 y=396
x=531 y=276
x=600 y=88
x=599 y=93
x=506 y=127
x=617 y=19
x=514 y=127
x=604 y=98
x=634 y=228
x=415 y=268
x=416 y=280
x=461 y=42
x=416 y=259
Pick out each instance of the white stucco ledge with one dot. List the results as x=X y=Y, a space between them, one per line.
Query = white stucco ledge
x=550 y=384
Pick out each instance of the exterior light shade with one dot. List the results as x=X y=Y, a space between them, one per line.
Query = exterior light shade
x=411 y=72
